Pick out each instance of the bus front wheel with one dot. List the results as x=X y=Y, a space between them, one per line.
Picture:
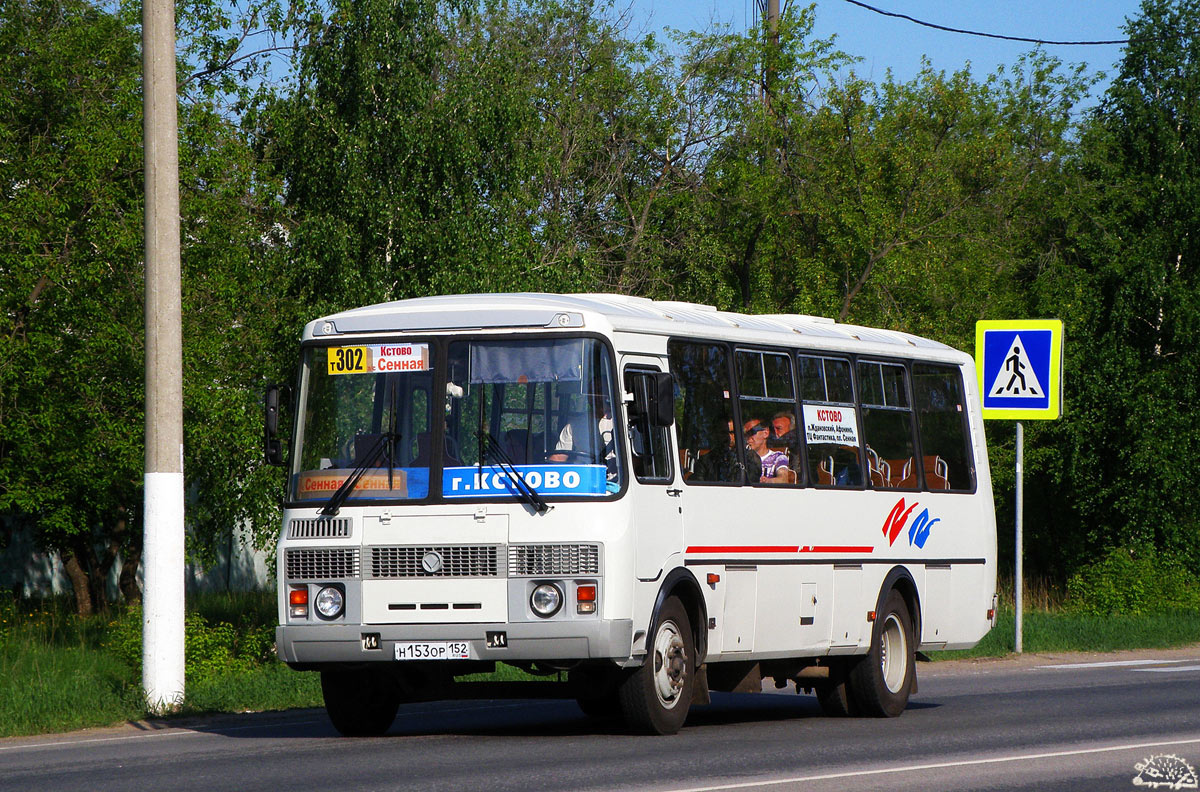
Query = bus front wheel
x=360 y=703
x=655 y=698
x=882 y=680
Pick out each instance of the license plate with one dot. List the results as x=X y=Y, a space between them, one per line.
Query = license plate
x=433 y=650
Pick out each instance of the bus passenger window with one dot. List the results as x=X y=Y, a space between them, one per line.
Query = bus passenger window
x=703 y=413
x=768 y=404
x=888 y=425
x=830 y=421
x=941 y=423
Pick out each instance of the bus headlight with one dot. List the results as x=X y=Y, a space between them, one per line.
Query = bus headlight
x=329 y=602
x=545 y=600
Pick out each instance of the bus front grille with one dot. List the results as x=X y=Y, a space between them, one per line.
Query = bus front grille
x=431 y=561
x=324 y=564
x=533 y=560
x=320 y=528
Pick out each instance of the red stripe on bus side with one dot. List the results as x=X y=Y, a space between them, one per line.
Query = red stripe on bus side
x=740 y=549
x=837 y=549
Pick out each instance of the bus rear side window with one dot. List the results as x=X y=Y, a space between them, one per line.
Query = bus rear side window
x=888 y=425
x=941 y=422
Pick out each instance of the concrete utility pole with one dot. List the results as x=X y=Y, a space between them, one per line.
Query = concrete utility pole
x=773 y=51
x=162 y=619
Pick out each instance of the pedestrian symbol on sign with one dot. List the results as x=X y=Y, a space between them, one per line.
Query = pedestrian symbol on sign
x=1017 y=377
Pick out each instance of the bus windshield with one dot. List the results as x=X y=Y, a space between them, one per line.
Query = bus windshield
x=543 y=407
x=538 y=409
x=365 y=406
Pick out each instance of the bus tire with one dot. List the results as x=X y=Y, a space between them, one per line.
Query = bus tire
x=360 y=703
x=835 y=696
x=654 y=699
x=880 y=682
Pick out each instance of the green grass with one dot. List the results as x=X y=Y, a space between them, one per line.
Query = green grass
x=1063 y=631
x=61 y=688
x=62 y=672
x=273 y=686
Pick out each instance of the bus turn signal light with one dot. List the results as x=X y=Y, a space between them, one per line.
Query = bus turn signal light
x=585 y=598
x=298 y=600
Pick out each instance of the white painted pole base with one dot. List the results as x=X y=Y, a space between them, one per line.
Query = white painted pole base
x=163 y=605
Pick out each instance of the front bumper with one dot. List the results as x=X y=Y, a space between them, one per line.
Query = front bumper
x=567 y=640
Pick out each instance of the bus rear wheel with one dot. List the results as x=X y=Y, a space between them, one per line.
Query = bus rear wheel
x=360 y=703
x=655 y=698
x=880 y=683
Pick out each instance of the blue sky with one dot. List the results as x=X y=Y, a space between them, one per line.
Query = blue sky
x=890 y=43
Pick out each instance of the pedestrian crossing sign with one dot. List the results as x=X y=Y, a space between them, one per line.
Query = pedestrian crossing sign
x=1019 y=364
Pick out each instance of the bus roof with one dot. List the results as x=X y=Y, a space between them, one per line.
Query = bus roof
x=615 y=312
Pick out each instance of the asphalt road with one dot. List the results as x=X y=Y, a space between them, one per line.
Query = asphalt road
x=1040 y=722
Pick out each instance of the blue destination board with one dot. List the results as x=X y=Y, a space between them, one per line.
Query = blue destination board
x=490 y=480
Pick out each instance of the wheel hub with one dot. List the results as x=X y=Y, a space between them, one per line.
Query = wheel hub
x=670 y=664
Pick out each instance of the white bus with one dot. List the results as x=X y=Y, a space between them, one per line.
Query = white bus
x=647 y=500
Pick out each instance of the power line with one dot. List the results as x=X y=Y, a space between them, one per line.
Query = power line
x=981 y=34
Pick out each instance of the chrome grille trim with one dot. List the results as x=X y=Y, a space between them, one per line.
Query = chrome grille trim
x=319 y=528
x=535 y=560
x=458 y=561
x=322 y=564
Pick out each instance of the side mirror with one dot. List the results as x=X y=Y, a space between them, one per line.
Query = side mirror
x=662 y=400
x=273 y=449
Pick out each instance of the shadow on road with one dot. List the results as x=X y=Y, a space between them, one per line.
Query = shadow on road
x=514 y=718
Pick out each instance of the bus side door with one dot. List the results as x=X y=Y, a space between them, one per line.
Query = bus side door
x=655 y=489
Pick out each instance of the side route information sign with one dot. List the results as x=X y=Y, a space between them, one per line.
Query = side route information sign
x=1020 y=368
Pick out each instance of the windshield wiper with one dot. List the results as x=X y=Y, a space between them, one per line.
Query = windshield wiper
x=493 y=451
x=386 y=442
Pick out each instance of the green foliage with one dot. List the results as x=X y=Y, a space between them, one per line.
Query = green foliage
x=1133 y=309
x=71 y=301
x=64 y=671
x=211 y=648
x=1135 y=583
x=418 y=147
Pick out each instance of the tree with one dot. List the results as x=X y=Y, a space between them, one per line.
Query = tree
x=71 y=394
x=1133 y=429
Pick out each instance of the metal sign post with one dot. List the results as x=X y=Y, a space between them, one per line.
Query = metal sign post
x=1019 y=364
x=1018 y=550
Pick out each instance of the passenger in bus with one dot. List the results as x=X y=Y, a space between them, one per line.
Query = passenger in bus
x=783 y=432
x=721 y=462
x=773 y=463
x=589 y=446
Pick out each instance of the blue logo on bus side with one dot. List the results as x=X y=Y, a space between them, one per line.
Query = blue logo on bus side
x=473 y=482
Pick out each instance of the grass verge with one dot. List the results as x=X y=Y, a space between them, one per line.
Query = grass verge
x=1062 y=631
x=63 y=673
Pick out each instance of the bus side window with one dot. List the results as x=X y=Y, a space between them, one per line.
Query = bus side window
x=767 y=402
x=888 y=424
x=829 y=421
x=703 y=412
x=941 y=424
x=649 y=446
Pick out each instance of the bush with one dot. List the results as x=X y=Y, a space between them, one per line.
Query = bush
x=1133 y=582
x=210 y=648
